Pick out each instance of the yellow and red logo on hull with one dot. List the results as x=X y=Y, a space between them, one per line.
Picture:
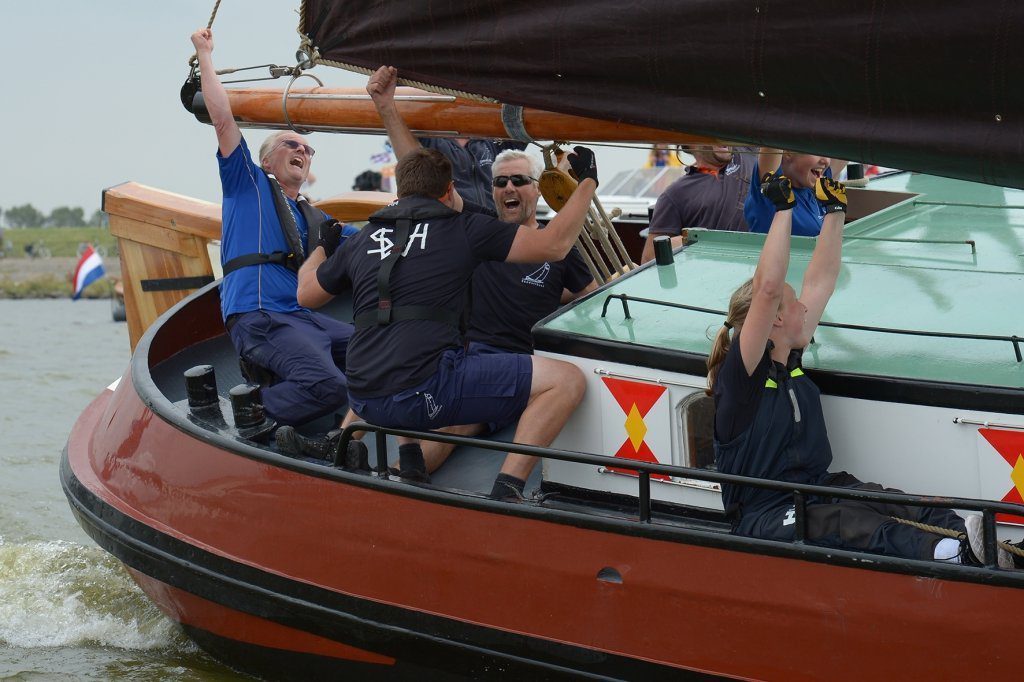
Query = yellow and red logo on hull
x=1010 y=446
x=646 y=428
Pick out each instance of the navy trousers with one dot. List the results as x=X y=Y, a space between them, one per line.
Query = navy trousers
x=861 y=525
x=306 y=351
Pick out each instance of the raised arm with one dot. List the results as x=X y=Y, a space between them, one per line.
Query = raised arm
x=214 y=95
x=769 y=160
x=823 y=270
x=553 y=242
x=381 y=88
x=770 y=275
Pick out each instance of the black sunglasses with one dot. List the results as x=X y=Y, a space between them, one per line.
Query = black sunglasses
x=518 y=180
x=295 y=144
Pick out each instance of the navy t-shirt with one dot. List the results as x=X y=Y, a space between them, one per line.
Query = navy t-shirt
x=471 y=165
x=436 y=270
x=808 y=213
x=509 y=298
x=738 y=394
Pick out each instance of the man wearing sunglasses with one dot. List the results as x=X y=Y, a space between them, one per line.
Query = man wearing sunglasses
x=297 y=355
x=409 y=271
x=509 y=298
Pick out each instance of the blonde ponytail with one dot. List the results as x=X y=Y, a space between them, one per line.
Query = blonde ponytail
x=739 y=306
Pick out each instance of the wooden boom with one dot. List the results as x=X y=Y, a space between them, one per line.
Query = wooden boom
x=428 y=114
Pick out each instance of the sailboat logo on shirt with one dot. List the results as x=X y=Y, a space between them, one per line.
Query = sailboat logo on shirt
x=538 y=276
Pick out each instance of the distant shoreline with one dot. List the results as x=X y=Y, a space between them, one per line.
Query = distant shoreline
x=22 y=278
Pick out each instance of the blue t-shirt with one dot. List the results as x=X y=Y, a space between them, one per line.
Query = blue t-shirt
x=249 y=224
x=807 y=214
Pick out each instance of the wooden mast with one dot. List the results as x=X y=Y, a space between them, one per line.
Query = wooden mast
x=350 y=110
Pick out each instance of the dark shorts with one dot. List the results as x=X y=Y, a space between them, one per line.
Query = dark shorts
x=468 y=388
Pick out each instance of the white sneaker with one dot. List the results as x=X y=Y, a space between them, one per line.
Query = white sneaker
x=975 y=538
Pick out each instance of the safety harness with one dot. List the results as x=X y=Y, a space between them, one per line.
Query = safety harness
x=296 y=255
x=403 y=214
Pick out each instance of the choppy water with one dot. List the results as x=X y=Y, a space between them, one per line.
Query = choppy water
x=68 y=611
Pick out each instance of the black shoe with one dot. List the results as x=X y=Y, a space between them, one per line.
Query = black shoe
x=255 y=374
x=293 y=443
x=357 y=456
x=972 y=546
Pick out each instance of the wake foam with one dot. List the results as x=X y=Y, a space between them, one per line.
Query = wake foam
x=60 y=594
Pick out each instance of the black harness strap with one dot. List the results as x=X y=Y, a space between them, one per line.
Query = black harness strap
x=296 y=256
x=386 y=313
x=276 y=258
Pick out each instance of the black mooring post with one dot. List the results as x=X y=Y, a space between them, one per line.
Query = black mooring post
x=988 y=523
x=800 y=509
x=382 y=453
x=645 y=497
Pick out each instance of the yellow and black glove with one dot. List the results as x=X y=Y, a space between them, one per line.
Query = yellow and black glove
x=779 y=190
x=831 y=193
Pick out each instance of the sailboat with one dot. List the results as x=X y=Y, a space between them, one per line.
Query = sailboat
x=623 y=566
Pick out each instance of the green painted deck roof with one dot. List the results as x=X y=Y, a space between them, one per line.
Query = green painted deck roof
x=922 y=286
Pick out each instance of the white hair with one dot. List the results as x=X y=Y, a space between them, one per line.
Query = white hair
x=536 y=167
x=270 y=143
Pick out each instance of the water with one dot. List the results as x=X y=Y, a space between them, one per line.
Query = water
x=68 y=610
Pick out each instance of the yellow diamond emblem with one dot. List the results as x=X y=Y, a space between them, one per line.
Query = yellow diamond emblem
x=1017 y=475
x=635 y=427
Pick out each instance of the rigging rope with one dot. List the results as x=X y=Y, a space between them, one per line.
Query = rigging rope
x=939 y=530
x=213 y=15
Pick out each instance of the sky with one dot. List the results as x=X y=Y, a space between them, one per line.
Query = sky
x=90 y=99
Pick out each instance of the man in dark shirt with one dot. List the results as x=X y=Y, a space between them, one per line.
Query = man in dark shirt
x=413 y=371
x=509 y=298
x=710 y=194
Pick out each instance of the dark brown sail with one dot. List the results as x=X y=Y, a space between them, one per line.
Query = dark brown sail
x=922 y=86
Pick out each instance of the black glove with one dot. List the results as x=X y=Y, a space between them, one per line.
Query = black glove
x=583 y=164
x=330 y=236
x=831 y=193
x=778 y=190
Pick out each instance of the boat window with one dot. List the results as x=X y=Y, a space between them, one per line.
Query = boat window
x=697 y=419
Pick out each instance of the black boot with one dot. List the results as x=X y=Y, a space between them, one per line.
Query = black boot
x=254 y=374
x=291 y=442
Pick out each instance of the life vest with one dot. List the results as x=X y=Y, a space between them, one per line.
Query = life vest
x=403 y=213
x=296 y=255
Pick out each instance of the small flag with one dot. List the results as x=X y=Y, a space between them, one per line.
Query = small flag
x=383 y=157
x=88 y=270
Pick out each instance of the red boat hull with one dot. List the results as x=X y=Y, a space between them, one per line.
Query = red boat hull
x=351 y=570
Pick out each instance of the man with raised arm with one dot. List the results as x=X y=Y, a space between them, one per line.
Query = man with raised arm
x=265 y=235
x=409 y=271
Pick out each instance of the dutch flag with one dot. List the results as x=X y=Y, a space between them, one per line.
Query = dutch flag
x=88 y=270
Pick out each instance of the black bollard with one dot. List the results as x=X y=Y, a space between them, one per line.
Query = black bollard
x=663 y=250
x=250 y=417
x=246 y=406
x=201 y=387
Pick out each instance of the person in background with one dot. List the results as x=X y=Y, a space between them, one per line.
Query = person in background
x=710 y=194
x=768 y=416
x=368 y=181
x=295 y=354
x=803 y=171
x=661 y=155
